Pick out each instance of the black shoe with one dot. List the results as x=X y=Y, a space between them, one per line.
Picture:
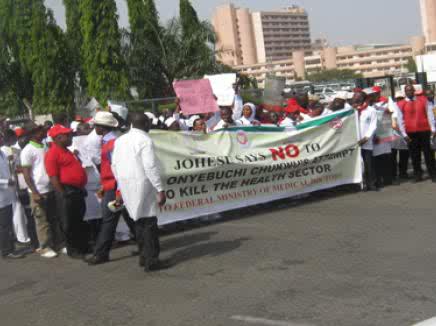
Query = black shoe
x=404 y=176
x=157 y=266
x=13 y=256
x=96 y=260
x=134 y=253
x=76 y=255
x=417 y=180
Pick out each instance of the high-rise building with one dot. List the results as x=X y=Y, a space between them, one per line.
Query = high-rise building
x=428 y=16
x=246 y=37
x=368 y=60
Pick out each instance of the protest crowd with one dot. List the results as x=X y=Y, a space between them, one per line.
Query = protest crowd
x=64 y=186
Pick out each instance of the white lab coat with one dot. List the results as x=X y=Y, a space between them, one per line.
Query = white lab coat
x=399 y=143
x=386 y=147
x=136 y=170
x=368 y=126
x=93 y=207
x=19 y=216
x=93 y=147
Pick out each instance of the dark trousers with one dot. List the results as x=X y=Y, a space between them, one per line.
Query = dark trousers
x=147 y=237
x=400 y=162
x=369 y=173
x=7 y=237
x=383 y=170
x=71 y=210
x=109 y=224
x=420 y=143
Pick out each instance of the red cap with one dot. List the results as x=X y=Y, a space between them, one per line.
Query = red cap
x=293 y=106
x=384 y=99
x=59 y=130
x=19 y=132
x=87 y=120
x=377 y=89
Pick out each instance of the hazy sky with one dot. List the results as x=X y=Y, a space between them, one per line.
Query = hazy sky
x=340 y=21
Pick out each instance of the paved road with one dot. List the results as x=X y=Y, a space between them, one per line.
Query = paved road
x=360 y=259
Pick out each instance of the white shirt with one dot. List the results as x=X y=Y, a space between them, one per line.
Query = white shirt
x=430 y=117
x=213 y=121
x=246 y=122
x=80 y=145
x=326 y=112
x=238 y=106
x=32 y=157
x=288 y=122
x=93 y=147
x=136 y=170
x=222 y=124
x=6 y=194
x=368 y=126
x=185 y=124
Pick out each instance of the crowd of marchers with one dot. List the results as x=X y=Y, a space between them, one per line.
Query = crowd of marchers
x=65 y=185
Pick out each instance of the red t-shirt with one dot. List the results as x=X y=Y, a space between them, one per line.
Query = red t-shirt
x=415 y=114
x=61 y=163
x=108 y=181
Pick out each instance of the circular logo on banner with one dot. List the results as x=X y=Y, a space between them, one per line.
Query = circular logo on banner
x=336 y=123
x=242 y=138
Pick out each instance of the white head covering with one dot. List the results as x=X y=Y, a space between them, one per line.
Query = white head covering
x=74 y=125
x=150 y=115
x=253 y=111
x=169 y=121
x=342 y=95
x=369 y=91
x=192 y=118
x=152 y=118
x=248 y=121
x=399 y=94
x=121 y=110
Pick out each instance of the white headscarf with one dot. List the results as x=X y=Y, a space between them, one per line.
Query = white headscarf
x=249 y=121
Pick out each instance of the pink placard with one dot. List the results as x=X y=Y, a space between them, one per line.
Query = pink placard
x=195 y=96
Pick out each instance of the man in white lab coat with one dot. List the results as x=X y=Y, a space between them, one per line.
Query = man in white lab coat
x=367 y=128
x=7 y=243
x=136 y=170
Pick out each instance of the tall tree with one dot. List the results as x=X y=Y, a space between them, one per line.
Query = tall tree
x=411 y=65
x=333 y=74
x=103 y=63
x=15 y=55
x=52 y=72
x=188 y=18
x=198 y=39
x=145 y=51
x=74 y=36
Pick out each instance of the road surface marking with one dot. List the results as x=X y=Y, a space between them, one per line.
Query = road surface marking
x=268 y=322
x=428 y=322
